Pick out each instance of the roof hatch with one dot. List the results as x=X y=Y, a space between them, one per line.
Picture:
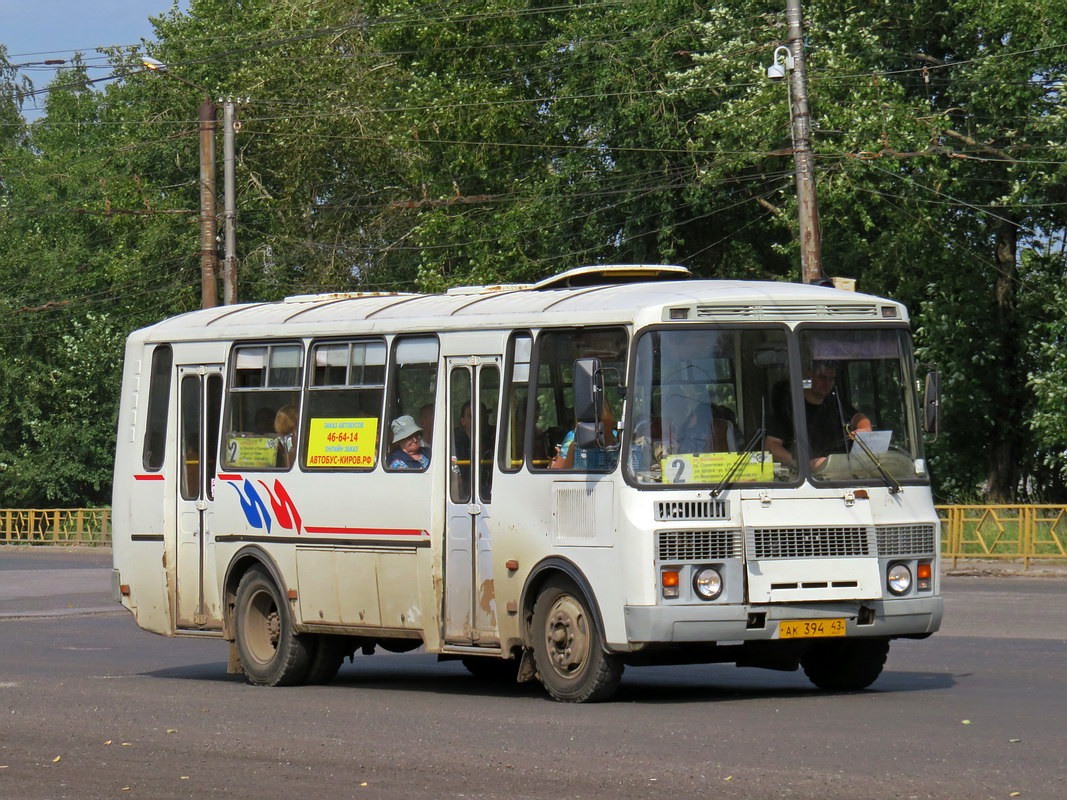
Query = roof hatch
x=609 y=274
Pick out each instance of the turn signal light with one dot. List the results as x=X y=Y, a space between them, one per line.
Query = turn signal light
x=669 y=580
x=923 y=574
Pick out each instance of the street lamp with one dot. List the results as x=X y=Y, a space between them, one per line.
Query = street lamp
x=208 y=255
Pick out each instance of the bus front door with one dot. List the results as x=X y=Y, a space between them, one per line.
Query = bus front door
x=469 y=596
x=197 y=604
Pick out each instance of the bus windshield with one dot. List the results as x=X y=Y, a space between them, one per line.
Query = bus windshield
x=702 y=399
x=717 y=406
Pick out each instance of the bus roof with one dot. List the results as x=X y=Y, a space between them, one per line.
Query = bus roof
x=619 y=297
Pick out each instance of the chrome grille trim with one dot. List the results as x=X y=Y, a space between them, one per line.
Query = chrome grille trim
x=668 y=510
x=813 y=542
x=681 y=546
x=906 y=540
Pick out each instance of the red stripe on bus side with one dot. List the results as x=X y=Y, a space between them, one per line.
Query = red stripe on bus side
x=227 y=477
x=369 y=531
x=148 y=477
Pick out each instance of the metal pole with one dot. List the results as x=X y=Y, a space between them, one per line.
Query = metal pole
x=808 y=208
x=229 y=268
x=208 y=256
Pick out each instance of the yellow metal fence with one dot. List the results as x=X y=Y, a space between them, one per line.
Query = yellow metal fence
x=1025 y=532
x=62 y=526
x=1010 y=532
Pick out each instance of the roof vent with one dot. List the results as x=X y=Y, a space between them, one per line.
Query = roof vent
x=500 y=287
x=610 y=274
x=328 y=296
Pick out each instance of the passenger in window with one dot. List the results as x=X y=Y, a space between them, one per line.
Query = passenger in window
x=569 y=456
x=285 y=427
x=408 y=451
x=264 y=421
x=426 y=423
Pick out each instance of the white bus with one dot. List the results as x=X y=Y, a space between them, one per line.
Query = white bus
x=616 y=466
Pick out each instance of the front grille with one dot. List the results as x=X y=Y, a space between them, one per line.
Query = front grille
x=808 y=542
x=691 y=509
x=675 y=546
x=905 y=540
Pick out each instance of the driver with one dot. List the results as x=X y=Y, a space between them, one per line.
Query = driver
x=826 y=416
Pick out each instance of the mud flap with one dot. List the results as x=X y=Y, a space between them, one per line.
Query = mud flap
x=233 y=663
x=527 y=667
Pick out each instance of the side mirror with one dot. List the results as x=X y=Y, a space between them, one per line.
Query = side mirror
x=588 y=390
x=932 y=403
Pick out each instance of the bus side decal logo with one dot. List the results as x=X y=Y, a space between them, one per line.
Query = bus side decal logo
x=284 y=507
x=255 y=510
x=252 y=504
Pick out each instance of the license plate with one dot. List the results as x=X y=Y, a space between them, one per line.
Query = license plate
x=810 y=628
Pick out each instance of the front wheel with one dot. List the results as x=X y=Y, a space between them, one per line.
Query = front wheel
x=845 y=665
x=569 y=649
x=272 y=653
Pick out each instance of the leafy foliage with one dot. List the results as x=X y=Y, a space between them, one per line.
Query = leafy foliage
x=395 y=144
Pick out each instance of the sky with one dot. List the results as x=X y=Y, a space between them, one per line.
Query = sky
x=35 y=30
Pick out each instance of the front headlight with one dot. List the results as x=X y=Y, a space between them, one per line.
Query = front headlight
x=898 y=578
x=707 y=583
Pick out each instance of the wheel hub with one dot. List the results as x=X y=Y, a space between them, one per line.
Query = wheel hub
x=567 y=636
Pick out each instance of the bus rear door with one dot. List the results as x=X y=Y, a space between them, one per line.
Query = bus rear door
x=199 y=410
x=470 y=596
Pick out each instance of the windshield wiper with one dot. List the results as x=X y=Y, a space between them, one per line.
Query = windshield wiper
x=851 y=435
x=889 y=480
x=750 y=447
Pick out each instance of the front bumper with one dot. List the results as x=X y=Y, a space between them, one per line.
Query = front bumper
x=730 y=623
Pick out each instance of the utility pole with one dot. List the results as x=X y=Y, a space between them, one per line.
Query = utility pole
x=229 y=264
x=209 y=293
x=808 y=207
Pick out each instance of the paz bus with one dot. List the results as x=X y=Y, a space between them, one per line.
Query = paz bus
x=617 y=466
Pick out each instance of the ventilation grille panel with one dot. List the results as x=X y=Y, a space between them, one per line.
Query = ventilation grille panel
x=779 y=312
x=677 y=546
x=667 y=510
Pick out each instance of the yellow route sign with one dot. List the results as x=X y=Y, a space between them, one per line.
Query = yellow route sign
x=713 y=467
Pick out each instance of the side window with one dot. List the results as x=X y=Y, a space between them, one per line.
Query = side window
x=342 y=425
x=553 y=419
x=263 y=407
x=412 y=393
x=155 y=435
x=513 y=438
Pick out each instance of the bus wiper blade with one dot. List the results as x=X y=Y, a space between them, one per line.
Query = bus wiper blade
x=890 y=481
x=728 y=478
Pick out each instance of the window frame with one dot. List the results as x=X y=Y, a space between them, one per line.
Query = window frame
x=391 y=378
x=158 y=406
x=560 y=390
x=309 y=389
x=232 y=390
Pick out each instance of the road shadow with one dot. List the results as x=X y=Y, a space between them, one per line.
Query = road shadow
x=422 y=673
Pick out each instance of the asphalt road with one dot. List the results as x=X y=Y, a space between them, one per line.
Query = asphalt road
x=93 y=707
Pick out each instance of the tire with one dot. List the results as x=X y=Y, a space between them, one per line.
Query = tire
x=845 y=665
x=569 y=649
x=491 y=668
x=329 y=653
x=272 y=653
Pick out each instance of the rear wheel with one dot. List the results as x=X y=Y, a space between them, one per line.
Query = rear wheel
x=329 y=654
x=569 y=649
x=491 y=668
x=272 y=653
x=845 y=665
